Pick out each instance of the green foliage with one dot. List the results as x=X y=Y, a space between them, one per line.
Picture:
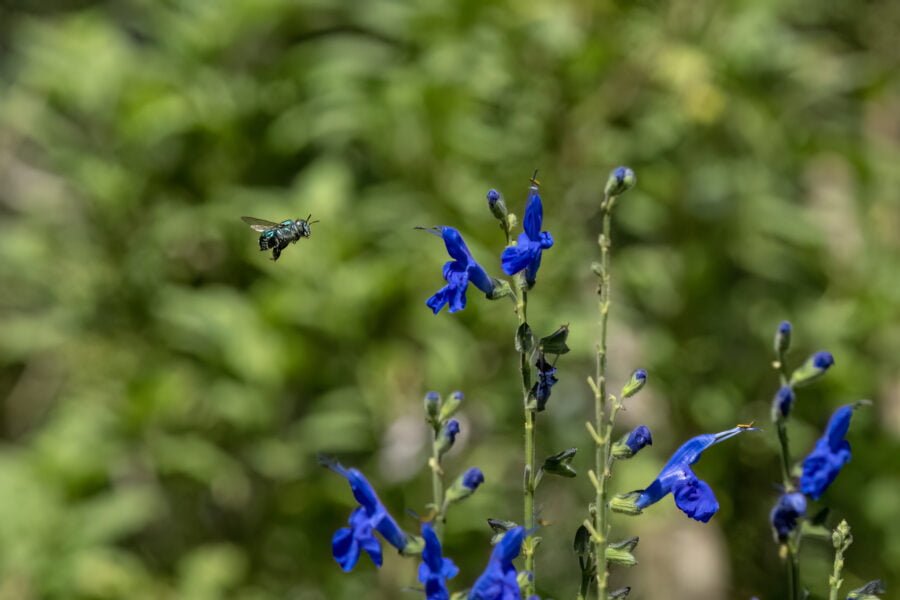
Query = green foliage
x=166 y=387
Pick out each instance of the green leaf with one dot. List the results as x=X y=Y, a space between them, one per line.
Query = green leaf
x=555 y=343
x=559 y=464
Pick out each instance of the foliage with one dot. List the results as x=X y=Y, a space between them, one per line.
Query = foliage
x=166 y=386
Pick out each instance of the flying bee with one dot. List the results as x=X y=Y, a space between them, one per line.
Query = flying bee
x=277 y=236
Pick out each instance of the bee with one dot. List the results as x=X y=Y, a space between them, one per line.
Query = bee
x=277 y=236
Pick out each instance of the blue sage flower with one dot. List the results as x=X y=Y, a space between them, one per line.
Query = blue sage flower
x=831 y=453
x=371 y=516
x=458 y=273
x=546 y=373
x=785 y=514
x=783 y=402
x=692 y=496
x=526 y=254
x=499 y=580
x=435 y=570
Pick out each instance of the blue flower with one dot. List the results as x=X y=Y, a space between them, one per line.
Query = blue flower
x=526 y=254
x=499 y=579
x=783 y=402
x=435 y=569
x=694 y=497
x=546 y=380
x=789 y=508
x=638 y=438
x=458 y=273
x=831 y=453
x=472 y=478
x=371 y=516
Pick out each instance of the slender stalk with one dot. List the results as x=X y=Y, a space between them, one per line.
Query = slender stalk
x=437 y=485
x=793 y=558
x=530 y=418
x=601 y=425
x=841 y=539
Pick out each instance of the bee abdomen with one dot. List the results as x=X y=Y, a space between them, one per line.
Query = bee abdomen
x=267 y=241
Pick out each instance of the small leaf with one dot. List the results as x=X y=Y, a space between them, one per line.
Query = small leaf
x=501 y=526
x=869 y=591
x=559 y=464
x=555 y=343
x=819 y=532
x=582 y=544
x=524 y=339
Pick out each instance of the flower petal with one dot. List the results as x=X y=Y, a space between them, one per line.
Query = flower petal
x=534 y=216
x=345 y=549
x=696 y=499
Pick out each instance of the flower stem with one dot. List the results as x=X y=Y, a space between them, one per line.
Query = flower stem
x=603 y=428
x=841 y=539
x=792 y=559
x=437 y=485
x=530 y=418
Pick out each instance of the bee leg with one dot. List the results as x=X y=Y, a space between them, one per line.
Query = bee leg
x=276 y=252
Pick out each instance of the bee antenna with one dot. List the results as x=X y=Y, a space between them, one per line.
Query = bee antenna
x=309 y=220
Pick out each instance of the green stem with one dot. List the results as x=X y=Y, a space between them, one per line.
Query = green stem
x=793 y=557
x=841 y=539
x=530 y=418
x=437 y=486
x=603 y=428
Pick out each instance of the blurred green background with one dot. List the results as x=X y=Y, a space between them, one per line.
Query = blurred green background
x=166 y=387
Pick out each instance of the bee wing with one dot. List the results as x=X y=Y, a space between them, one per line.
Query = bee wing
x=259 y=224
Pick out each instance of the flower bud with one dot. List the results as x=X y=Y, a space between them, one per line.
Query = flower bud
x=432 y=406
x=783 y=338
x=634 y=385
x=447 y=436
x=814 y=367
x=620 y=181
x=632 y=443
x=451 y=405
x=782 y=403
x=497 y=205
x=785 y=515
x=464 y=486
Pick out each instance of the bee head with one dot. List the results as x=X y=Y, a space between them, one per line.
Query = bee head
x=303 y=226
